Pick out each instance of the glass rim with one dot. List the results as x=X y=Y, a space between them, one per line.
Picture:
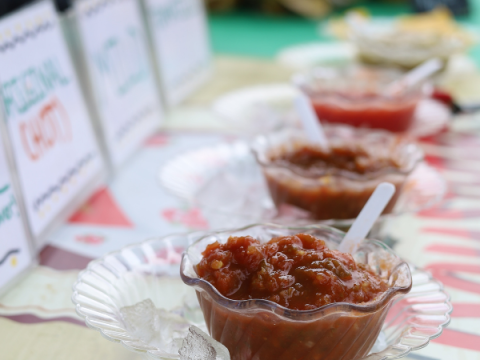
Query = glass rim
x=261 y=158
x=303 y=80
x=291 y=314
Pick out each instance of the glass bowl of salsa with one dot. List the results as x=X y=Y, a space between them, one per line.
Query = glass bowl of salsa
x=267 y=328
x=334 y=183
x=357 y=96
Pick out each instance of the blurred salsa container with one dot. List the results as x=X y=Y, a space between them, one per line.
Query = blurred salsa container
x=357 y=96
x=329 y=189
x=408 y=41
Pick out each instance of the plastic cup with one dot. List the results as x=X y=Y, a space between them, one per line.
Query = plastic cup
x=261 y=329
x=334 y=194
x=357 y=96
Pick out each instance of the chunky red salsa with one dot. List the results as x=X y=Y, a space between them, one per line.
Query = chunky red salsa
x=297 y=271
x=349 y=157
x=335 y=184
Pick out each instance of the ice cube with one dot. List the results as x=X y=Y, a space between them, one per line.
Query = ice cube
x=200 y=346
x=156 y=327
x=140 y=319
x=170 y=330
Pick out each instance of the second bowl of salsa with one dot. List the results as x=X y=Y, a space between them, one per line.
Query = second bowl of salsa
x=334 y=183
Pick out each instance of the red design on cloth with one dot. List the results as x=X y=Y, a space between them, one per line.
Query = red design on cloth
x=466 y=310
x=451 y=214
x=170 y=255
x=192 y=218
x=450 y=274
x=157 y=140
x=459 y=339
x=101 y=209
x=435 y=161
x=90 y=239
x=170 y=214
x=467 y=234
x=453 y=250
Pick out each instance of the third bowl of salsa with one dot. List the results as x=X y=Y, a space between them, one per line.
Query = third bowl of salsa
x=357 y=96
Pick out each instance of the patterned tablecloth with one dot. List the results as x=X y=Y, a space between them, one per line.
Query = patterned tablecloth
x=37 y=318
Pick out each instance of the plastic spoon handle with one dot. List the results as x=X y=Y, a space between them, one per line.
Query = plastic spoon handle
x=422 y=72
x=367 y=217
x=416 y=75
x=310 y=122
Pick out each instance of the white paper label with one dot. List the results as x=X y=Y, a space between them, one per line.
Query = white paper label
x=52 y=138
x=14 y=250
x=182 y=45
x=120 y=72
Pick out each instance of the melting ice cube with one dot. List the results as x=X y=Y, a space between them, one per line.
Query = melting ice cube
x=140 y=319
x=199 y=346
x=172 y=335
x=156 y=327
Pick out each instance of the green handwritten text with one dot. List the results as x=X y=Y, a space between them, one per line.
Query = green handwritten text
x=174 y=11
x=122 y=62
x=7 y=212
x=23 y=91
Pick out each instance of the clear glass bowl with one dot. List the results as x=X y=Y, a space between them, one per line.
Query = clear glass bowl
x=225 y=181
x=334 y=193
x=150 y=270
x=357 y=96
x=262 y=329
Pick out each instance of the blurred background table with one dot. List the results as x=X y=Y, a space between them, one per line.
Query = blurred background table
x=245 y=34
x=37 y=319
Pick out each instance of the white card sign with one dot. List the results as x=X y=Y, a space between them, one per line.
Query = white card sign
x=181 y=45
x=52 y=139
x=121 y=75
x=15 y=253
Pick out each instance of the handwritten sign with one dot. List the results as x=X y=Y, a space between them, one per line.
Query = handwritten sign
x=15 y=255
x=52 y=140
x=181 y=45
x=121 y=75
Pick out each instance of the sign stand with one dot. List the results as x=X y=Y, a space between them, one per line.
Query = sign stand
x=54 y=147
x=110 y=41
x=180 y=45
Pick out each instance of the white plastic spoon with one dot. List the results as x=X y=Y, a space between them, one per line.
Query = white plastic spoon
x=367 y=217
x=415 y=76
x=310 y=122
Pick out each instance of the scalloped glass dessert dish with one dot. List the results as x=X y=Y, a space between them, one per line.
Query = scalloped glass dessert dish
x=327 y=191
x=151 y=270
x=357 y=96
x=262 y=329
